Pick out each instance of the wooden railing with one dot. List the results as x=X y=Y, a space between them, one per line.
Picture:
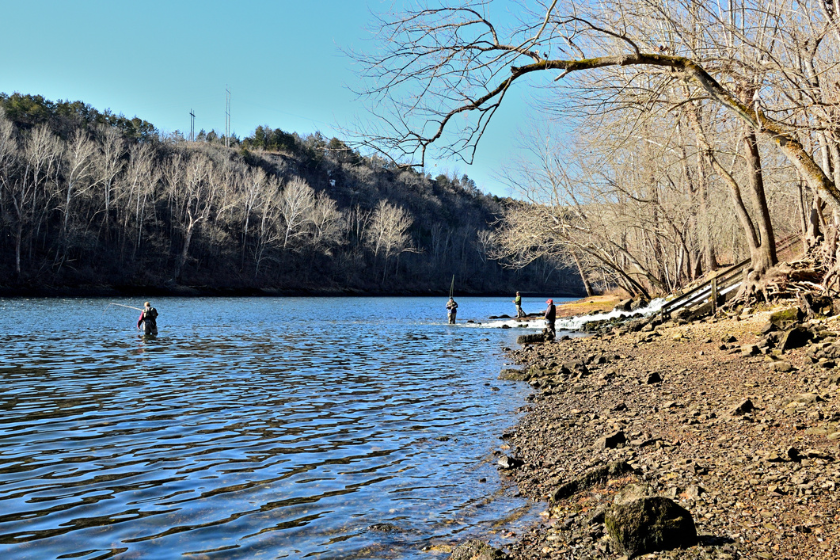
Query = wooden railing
x=722 y=280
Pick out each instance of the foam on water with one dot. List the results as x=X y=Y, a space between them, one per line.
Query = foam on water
x=572 y=323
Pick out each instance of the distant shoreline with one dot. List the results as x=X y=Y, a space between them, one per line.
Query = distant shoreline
x=88 y=291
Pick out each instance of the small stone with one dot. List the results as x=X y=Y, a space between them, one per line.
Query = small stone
x=654 y=378
x=694 y=491
x=383 y=527
x=477 y=550
x=611 y=441
x=745 y=407
x=506 y=462
x=782 y=366
x=749 y=350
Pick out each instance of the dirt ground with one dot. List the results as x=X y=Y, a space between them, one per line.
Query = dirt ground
x=758 y=477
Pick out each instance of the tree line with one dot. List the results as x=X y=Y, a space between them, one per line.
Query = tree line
x=89 y=198
x=670 y=137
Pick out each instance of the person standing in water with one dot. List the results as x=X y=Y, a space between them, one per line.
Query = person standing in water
x=451 y=310
x=550 y=317
x=148 y=319
x=518 y=301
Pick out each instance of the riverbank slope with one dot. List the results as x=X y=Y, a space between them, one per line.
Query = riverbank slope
x=744 y=437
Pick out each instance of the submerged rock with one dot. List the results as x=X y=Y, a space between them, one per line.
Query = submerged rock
x=513 y=375
x=383 y=527
x=649 y=524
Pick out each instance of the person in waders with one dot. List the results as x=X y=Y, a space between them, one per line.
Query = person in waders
x=518 y=301
x=550 y=317
x=148 y=320
x=451 y=310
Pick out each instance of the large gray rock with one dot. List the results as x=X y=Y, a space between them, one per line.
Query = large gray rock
x=514 y=375
x=794 y=338
x=530 y=338
x=623 y=305
x=477 y=550
x=650 y=524
x=784 y=318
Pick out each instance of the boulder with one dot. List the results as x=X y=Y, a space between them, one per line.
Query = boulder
x=528 y=338
x=639 y=303
x=786 y=317
x=513 y=375
x=476 y=550
x=650 y=524
x=623 y=305
x=796 y=337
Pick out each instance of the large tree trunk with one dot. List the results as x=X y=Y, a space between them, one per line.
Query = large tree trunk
x=704 y=228
x=763 y=256
x=758 y=259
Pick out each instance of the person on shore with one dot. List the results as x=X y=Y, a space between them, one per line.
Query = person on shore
x=550 y=317
x=148 y=320
x=518 y=301
x=451 y=310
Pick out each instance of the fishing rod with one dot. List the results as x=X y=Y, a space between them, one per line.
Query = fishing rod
x=452 y=287
x=127 y=306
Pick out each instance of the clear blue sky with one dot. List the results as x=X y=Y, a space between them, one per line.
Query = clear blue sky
x=281 y=59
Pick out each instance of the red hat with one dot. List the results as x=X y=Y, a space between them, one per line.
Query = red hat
x=550 y=301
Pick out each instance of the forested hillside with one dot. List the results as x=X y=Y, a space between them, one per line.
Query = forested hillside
x=90 y=199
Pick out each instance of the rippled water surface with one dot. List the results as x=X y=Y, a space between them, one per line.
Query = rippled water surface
x=252 y=428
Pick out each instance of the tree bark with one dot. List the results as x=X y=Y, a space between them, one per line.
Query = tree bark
x=764 y=254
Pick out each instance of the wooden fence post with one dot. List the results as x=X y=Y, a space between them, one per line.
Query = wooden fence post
x=714 y=296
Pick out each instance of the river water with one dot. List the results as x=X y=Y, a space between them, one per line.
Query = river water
x=254 y=428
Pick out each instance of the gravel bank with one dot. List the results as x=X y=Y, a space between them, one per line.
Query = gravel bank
x=745 y=438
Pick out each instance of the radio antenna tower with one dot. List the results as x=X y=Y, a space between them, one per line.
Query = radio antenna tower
x=192 y=125
x=227 y=117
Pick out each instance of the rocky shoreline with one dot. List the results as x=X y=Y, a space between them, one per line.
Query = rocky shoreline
x=736 y=420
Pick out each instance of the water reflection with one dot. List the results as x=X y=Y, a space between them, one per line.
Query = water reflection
x=249 y=428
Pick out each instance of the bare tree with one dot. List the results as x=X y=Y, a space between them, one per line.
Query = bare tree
x=445 y=70
x=295 y=205
x=109 y=167
x=79 y=161
x=387 y=232
x=194 y=202
x=327 y=221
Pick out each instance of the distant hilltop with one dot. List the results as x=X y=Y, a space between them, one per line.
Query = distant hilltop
x=95 y=200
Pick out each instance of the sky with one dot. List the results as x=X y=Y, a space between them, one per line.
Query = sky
x=282 y=61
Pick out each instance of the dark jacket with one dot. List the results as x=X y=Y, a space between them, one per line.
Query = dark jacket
x=551 y=313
